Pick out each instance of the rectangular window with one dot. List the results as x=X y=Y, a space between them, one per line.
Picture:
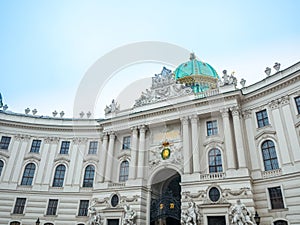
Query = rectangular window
x=83 y=208
x=64 y=149
x=276 y=198
x=262 y=118
x=52 y=206
x=297 y=100
x=93 y=147
x=35 y=146
x=4 y=142
x=212 y=127
x=19 y=206
x=126 y=142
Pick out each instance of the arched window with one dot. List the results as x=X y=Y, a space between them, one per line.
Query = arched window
x=269 y=155
x=1 y=166
x=59 y=176
x=48 y=224
x=280 y=222
x=124 y=171
x=15 y=223
x=215 y=161
x=88 y=179
x=28 y=174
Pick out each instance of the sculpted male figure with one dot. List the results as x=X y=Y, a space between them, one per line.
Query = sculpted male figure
x=129 y=215
x=241 y=215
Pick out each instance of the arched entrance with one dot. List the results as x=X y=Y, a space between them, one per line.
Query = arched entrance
x=166 y=198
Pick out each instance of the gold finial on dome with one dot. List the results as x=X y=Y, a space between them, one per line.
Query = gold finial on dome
x=192 y=56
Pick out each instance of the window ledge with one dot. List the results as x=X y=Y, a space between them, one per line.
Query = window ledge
x=17 y=214
x=54 y=216
x=278 y=210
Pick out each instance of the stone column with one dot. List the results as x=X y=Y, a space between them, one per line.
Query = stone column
x=110 y=157
x=280 y=132
x=238 y=137
x=141 y=153
x=77 y=151
x=52 y=153
x=148 y=206
x=251 y=142
x=186 y=145
x=13 y=147
x=195 y=144
x=103 y=157
x=133 y=149
x=290 y=128
x=17 y=169
x=229 y=148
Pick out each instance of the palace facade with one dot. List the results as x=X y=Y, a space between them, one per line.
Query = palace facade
x=191 y=137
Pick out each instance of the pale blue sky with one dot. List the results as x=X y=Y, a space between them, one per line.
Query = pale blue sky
x=46 y=47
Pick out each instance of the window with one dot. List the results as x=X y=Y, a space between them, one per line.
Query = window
x=64 y=149
x=124 y=170
x=48 y=224
x=35 y=146
x=262 y=118
x=4 y=142
x=19 y=206
x=83 y=208
x=15 y=223
x=59 y=176
x=297 y=100
x=212 y=127
x=269 y=155
x=276 y=198
x=114 y=200
x=1 y=166
x=280 y=222
x=215 y=161
x=126 y=142
x=214 y=194
x=93 y=147
x=88 y=179
x=28 y=174
x=52 y=206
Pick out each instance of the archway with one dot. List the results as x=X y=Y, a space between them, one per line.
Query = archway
x=166 y=198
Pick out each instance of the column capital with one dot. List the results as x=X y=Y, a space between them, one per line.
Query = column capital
x=194 y=118
x=79 y=140
x=134 y=129
x=247 y=113
x=235 y=110
x=184 y=120
x=142 y=128
x=51 y=140
x=224 y=112
x=112 y=134
x=22 y=137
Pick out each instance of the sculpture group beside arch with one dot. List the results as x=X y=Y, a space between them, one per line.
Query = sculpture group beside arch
x=240 y=214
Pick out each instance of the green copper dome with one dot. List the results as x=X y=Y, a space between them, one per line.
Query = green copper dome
x=200 y=76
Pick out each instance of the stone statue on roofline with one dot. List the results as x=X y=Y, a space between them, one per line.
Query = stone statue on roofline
x=113 y=107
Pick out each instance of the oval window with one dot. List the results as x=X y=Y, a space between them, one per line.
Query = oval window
x=114 y=200
x=214 y=194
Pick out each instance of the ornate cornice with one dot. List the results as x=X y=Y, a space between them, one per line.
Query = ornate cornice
x=261 y=93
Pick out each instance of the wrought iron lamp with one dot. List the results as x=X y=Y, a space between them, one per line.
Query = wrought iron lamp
x=257 y=218
x=38 y=221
